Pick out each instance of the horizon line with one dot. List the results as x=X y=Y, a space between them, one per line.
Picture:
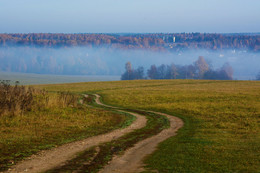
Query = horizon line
x=131 y=33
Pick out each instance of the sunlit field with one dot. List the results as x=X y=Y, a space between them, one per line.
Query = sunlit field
x=131 y=86
x=33 y=119
x=221 y=132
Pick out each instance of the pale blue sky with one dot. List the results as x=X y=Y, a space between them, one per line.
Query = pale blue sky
x=139 y=16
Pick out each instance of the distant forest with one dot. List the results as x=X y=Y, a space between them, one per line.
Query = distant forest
x=200 y=69
x=157 y=42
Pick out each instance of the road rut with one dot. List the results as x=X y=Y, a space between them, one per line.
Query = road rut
x=49 y=159
x=132 y=160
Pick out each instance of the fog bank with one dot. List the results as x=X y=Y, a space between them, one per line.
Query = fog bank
x=107 y=61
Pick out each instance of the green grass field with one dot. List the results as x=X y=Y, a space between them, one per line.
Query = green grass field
x=221 y=132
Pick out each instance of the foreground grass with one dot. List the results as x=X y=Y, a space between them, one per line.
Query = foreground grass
x=44 y=128
x=221 y=131
x=92 y=160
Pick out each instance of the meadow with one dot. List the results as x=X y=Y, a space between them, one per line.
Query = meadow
x=221 y=131
x=33 y=119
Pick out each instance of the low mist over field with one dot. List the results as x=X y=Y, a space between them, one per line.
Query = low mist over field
x=111 y=61
x=166 y=86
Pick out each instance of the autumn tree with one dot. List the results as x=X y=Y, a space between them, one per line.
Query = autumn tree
x=128 y=75
x=131 y=73
x=181 y=72
x=201 y=67
x=172 y=71
x=227 y=68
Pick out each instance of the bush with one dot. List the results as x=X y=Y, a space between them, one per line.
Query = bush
x=15 y=100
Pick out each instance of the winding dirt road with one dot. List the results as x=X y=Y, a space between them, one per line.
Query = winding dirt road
x=48 y=159
x=130 y=162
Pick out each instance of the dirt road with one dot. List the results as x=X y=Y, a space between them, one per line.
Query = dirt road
x=48 y=159
x=131 y=161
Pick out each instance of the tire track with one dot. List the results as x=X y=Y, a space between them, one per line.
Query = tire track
x=132 y=160
x=49 y=159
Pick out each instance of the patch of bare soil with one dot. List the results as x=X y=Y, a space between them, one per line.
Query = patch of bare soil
x=48 y=159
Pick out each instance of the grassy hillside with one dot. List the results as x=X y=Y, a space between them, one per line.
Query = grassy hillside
x=221 y=132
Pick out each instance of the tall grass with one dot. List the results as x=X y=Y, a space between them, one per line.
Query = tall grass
x=15 y=100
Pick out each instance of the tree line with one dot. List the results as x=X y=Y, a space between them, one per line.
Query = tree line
x=160 y=41
x=200 y=69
